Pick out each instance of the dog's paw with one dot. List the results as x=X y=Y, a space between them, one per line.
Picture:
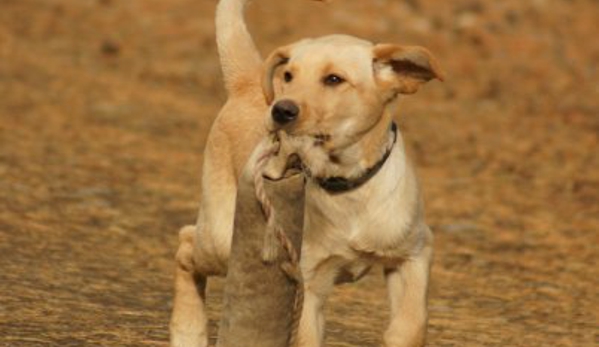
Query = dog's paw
x=186 y=336
x=408 y=335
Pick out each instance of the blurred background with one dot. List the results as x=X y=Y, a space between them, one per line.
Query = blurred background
x=104 y=110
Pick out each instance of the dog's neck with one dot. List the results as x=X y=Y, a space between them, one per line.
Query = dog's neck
x=355 y=164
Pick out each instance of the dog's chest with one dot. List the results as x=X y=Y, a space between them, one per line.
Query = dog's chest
x=345 y=234
x=358 y=225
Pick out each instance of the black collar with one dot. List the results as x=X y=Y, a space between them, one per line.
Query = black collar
x=336 y=185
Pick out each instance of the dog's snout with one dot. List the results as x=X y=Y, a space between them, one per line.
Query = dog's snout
x=284 y=112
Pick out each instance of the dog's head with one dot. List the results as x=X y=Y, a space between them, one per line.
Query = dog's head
x=333 y=90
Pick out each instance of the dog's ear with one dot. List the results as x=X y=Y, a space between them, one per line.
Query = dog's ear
x=277 y=58
x=402 y=69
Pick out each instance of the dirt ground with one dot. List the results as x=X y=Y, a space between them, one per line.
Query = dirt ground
x=104 y=110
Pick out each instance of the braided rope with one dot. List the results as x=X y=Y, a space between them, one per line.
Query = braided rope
x=274 y=238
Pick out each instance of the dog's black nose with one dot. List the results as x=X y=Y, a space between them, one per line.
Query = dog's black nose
x=285 y=111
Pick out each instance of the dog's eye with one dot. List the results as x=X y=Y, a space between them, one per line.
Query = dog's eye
x=332 y=80
x=288 y=77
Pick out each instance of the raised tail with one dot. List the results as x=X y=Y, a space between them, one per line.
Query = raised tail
x=240 y=60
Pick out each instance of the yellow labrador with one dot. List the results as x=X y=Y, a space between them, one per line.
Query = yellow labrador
x=330 y=95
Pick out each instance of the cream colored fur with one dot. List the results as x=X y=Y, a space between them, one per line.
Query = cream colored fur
x=342 y=130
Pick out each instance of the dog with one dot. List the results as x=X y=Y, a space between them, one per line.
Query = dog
x=331 y=97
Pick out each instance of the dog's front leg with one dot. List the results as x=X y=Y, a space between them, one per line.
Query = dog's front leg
x=318 y=284
x=311 y=333
x=407 y=285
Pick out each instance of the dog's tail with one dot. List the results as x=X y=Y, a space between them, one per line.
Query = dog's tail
x=240 y=60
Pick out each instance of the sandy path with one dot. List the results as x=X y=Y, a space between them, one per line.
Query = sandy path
x=104 y=108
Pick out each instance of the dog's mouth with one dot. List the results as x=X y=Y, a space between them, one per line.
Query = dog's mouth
x=292 y=167
x=317 y=139
x=296 y=153
x=321 y=139
x=286 y=162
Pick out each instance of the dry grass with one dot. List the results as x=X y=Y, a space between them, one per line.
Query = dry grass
x=104 y=109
